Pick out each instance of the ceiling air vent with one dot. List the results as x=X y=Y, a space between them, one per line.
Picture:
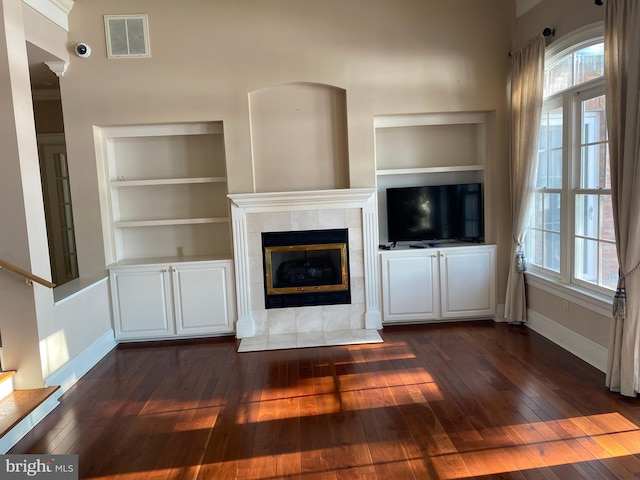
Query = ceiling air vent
x=127 y=36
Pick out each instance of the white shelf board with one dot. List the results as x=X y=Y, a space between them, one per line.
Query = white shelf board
x=127 y=262
x=174 y=221
x=167 y=181
x=163 y=130
x=412 y=171
x=426 y=119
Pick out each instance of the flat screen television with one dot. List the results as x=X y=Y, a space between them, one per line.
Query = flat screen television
x=436 y=212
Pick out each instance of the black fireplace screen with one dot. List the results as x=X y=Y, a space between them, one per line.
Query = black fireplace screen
x=306 y=268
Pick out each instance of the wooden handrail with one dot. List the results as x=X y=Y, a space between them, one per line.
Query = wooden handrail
x=28 y=275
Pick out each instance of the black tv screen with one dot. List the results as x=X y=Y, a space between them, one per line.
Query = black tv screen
x=436 y=212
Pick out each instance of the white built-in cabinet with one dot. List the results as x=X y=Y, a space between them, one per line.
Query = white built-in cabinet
x=421 y=285
x=457 y=280
x=167 y=230
x=188 y=299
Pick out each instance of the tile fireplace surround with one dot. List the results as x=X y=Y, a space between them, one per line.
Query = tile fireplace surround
x=254 y=213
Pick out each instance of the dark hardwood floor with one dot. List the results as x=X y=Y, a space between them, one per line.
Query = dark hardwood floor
x=441 y=401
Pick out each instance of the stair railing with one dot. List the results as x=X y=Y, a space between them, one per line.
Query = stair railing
x=29 y=277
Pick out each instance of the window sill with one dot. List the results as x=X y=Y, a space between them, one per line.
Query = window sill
x=593 y=301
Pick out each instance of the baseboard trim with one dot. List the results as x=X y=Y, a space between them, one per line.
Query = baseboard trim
x=72 y=371
x=583 y=348
x=13 y=436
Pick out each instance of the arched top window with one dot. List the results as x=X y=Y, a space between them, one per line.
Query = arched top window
x=574 y=67
x=570 y=238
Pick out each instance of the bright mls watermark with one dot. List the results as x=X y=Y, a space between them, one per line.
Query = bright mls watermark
x=49 y=467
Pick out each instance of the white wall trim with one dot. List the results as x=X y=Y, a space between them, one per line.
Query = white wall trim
x=67 y=375
x=583 y=348
x=55 y=10
x=13 y=436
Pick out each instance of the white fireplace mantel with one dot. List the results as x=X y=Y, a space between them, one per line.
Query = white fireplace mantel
x=311 y=200
x=247 y=203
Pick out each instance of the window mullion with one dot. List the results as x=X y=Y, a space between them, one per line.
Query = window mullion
x=568 y=181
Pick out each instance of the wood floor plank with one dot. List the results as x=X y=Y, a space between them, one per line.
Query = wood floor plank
x=440 y=401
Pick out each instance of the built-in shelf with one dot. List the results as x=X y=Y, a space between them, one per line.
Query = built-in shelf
x=166 y=191
x=173 y=221
x=167 y=181
x=420 y=170
x=437 y=148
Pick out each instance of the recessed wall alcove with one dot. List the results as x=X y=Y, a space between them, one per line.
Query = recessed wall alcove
x=299 y=138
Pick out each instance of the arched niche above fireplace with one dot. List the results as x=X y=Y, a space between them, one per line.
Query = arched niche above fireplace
x=299 y=138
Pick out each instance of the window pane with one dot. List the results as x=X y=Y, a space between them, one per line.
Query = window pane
x=537 y=210
x=587 y=215
x=555 y=128
x=586 y=260
x=534 y=247
x=607 y=168
x=552 y=251
x=593 y=166
x=550 y=150
x=589 y=63
x=608 y=265
x=555 y=169
x=606 y=219
x=552 y=211
x=594 y=151
x=594 y=120
x=541 y=180
x=559 y=76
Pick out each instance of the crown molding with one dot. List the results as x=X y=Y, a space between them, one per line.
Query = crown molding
x=55 y=10
x=523 y=6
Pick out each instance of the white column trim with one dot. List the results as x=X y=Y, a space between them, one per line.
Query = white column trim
x=245 y=326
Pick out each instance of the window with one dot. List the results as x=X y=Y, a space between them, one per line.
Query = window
x=570 y=236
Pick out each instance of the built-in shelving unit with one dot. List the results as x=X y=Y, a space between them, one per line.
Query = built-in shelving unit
x=167 y=227
x=440 y=283
x=428 y=149
x=166 y=192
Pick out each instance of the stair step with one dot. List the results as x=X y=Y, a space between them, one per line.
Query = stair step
x=6 y=383
x=19 y=404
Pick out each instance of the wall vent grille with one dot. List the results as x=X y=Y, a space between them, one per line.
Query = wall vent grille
x=127 y=36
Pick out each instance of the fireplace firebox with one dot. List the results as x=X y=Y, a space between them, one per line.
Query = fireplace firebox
x=305 y=268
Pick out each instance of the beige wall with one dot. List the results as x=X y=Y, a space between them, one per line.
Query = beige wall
x=390 y=56
x=565 y=16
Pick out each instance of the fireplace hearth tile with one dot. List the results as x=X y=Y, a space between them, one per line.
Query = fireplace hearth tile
x=278 y=342
x=309 y=340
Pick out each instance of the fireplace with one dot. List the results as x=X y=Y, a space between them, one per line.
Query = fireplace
x=256 y=213
x=306 y=268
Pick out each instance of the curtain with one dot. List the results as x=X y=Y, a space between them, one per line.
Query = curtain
x=622 y=79
x=527 y=84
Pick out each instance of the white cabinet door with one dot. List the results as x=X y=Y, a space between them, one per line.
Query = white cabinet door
x=410 y=287
x=467 y=280
x=203 y=302
x=141 y=299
